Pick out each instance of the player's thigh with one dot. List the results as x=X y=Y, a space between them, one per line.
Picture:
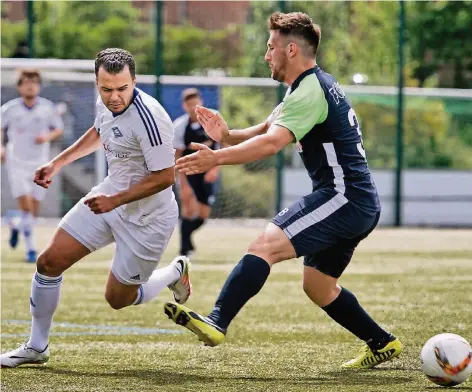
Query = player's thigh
x=188 y=203
x=204 y=210
x=333 y=260
x=25 y=203
x=36 y=206
x=139 y=248
x=204 y=191
x=325 y=228
x=91 y=230
x=61 y=253
x=272 y=245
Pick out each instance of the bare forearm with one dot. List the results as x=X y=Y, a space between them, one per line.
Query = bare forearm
x=254 y=149
x=237 y=136
x=88 y=143
x=148 y=186
x=55 y=134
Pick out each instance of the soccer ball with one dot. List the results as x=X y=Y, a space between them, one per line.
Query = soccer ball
x=446 y=359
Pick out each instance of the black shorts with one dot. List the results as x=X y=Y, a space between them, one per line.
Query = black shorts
x=325 y=228
x=204 y=191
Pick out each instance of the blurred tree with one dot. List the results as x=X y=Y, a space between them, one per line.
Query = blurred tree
x=357 y=37
x=440 y=34
x=78 y=30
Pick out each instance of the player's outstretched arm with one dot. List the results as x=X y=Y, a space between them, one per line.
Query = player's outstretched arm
x=251 y=150
x=151 y=184
x=217 y=128
x=88 y=143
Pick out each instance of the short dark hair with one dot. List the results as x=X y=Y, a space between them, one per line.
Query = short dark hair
x=114 y=61
x=28 y=74
x=190 y=93
x=297 y=24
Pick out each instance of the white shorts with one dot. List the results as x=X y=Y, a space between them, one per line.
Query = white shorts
x=21 y=179
x=138 y=248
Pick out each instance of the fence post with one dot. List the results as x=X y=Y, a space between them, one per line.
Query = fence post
x=30 y=17
x=280 y=154
x=399 y=166
x=158 y=68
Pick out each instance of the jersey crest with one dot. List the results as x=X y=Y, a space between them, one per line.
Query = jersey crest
x=116 y=132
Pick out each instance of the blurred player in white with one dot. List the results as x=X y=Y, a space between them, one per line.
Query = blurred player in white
x=197 y=192
x=134 y=206
x=30 y=123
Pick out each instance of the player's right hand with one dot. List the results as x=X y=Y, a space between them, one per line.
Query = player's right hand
x=44 y=174
x=213 y=124
x=3 y=155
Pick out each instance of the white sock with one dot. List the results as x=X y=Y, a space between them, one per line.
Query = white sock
x=45 y=294
x=160 y=279
x=27 y=225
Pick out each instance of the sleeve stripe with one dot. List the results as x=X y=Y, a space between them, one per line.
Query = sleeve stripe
x=144 y=122
x=146 y=109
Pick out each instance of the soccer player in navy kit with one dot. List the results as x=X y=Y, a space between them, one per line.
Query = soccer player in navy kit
x=325 y=226
x=196 y=192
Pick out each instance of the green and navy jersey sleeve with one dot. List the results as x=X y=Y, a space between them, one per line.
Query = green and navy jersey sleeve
x=303 y=108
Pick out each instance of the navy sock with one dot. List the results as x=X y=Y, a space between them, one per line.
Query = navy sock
x=196 y=223
x=244 y=282
x=347 y=312
x=185 y=232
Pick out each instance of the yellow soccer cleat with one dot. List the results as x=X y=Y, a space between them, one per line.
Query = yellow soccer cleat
x=368 y=359
x=205 y=329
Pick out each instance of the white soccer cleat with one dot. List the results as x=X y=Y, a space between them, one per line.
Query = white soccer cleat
x=24 y=355
x=182 y=288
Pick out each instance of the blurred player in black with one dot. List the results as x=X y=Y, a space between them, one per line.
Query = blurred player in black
x=196 y=192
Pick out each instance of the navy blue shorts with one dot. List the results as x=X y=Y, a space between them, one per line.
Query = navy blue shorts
x=325 y=228
x=204 y=191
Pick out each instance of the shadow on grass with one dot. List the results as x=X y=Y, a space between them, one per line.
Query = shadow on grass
x=167 y=377
x=438 y=388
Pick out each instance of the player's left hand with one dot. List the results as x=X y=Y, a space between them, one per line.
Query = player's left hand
x=199 y=162
x=100 y=204
x=41 y=139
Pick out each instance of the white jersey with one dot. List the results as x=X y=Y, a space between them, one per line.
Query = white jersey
x=136 y=142
x=23 y=124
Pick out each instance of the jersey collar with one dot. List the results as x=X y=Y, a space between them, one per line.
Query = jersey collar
x=30 y=107
x=135 y=94
x=302 y=76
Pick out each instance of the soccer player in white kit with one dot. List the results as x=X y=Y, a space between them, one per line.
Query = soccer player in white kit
x=31 y=123
x=134 y=206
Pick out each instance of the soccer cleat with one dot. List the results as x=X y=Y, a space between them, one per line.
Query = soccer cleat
x=205 y=329
x=182 y=289
x=14 y=234
x=368 y=359
x=24 y=355
x=31 y=256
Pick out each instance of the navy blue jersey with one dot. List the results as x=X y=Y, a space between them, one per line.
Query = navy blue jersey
x=329 y=139
x=187 y=132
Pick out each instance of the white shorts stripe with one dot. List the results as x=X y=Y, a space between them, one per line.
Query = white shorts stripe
x=337 y=169
x=322 y=212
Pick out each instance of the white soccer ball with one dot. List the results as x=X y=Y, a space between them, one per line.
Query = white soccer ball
x=446 y=359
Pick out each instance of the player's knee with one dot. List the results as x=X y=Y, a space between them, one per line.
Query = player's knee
x=114 y=301
x=262 y=248
x=49 y=263
x=320 y=295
